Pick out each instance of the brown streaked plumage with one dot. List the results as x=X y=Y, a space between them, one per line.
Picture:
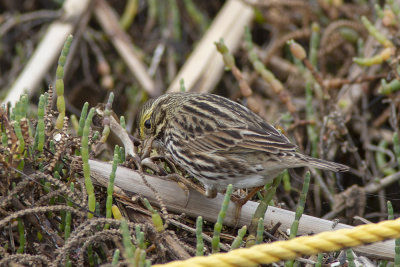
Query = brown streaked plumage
x=221 y=142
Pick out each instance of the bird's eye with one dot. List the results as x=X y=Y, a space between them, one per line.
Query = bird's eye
x=147 y=124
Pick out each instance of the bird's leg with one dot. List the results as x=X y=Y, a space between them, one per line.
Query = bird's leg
x=185 y=184
x=149 y=163
x=240 y=202
x=133 y=162
x=165 y=158
x=146 y=147
x=254 y=191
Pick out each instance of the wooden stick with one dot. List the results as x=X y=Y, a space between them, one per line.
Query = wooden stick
x=196 y=204
x=48 y=50
x=123 y=44
x=204 y=68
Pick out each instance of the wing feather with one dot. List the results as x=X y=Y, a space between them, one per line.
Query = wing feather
x=225 y=140
x=224 y=125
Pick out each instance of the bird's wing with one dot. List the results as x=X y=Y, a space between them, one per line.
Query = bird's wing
x=241 y=140
x=271 y=141
x=224 y=125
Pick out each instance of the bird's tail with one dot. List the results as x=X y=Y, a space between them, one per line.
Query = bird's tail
x=326 y=165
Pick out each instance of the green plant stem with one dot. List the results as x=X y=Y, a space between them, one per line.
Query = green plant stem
x=218 y=225
x=86 y=167
x=199 y=237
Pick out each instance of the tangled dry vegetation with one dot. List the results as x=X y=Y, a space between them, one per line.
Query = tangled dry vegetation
x=324 y=72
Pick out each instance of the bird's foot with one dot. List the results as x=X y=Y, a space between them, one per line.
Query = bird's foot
x=240 y=202
x=185 y=184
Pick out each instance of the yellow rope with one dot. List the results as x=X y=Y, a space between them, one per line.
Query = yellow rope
x=291 y=249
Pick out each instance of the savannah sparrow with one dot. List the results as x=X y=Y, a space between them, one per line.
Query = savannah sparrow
x=221 y=142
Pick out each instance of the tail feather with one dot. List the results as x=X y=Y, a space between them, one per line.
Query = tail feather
x=326 y=165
